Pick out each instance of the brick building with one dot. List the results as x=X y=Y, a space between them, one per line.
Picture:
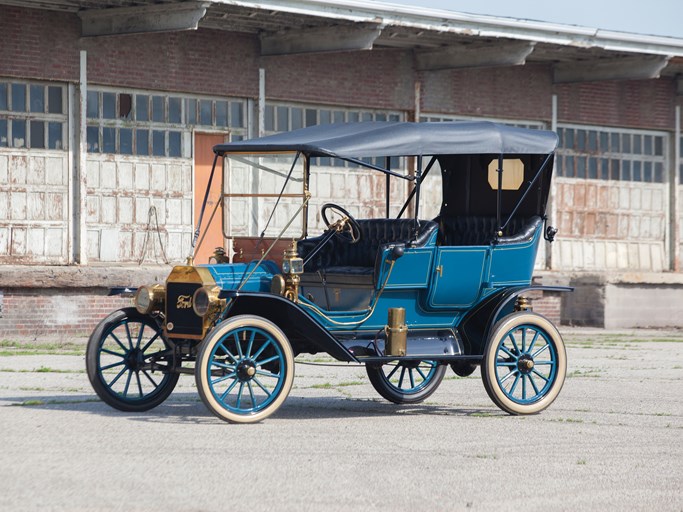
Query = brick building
x=108 y=110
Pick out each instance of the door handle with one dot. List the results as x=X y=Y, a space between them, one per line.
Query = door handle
x=439 y=270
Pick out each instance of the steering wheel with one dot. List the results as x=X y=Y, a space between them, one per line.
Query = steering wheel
x=346 y=228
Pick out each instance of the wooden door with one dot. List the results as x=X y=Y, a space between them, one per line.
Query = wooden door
x=211 y=232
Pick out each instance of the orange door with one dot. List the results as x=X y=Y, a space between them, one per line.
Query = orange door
x=211 y=232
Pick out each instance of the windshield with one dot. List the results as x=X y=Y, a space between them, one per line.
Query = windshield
x=264 y=195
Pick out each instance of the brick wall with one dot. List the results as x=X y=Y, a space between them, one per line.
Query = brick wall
x=31 y=314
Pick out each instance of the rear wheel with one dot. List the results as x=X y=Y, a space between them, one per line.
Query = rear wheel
x=406 y=382
x=129 y=362
x=524 y=363
x=245 y=369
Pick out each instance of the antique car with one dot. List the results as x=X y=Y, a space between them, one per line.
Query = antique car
x=403 y=295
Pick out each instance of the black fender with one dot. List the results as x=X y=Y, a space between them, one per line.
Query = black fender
x=476 y=325
x=304 y=332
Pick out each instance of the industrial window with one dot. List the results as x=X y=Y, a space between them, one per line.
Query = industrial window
x=32 y=115
x=611 y=154
x=155 y=124
x=432 y=118
x=285 y=117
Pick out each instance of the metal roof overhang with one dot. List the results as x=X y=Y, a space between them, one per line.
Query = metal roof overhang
x=440 y=39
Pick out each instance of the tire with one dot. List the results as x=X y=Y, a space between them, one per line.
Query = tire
x=407 y=382
x=119 y=360
x=524 y=364
x=245 y=369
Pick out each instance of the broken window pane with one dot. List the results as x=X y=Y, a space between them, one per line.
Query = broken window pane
x=37 y=134
x=54 y=100
x=3 y=133
x=37 y=98
x=125 y=106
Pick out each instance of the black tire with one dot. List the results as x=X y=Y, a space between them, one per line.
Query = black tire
x=524 y=348
x=408 y=382
x=118 y=361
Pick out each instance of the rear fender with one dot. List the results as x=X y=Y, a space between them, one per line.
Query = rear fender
x=303 y=331
x=476 y=325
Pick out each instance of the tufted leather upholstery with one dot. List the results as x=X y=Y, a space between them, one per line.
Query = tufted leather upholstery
x=347 y=258
x=479 y=230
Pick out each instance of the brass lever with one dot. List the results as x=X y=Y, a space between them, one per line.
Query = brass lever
x=439 y=269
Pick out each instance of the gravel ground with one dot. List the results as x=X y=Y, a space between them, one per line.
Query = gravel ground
x=611 y=441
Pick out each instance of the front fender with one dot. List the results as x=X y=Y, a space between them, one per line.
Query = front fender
x=476 y=325
x=304 y=332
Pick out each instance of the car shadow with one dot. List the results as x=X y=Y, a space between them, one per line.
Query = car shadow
x=188 y=408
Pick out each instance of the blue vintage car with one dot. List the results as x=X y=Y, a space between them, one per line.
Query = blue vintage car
x=403 y=295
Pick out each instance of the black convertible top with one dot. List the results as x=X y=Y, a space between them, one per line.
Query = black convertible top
x=359 y=140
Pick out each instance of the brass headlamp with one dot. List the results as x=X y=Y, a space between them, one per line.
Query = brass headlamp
x=150 y=298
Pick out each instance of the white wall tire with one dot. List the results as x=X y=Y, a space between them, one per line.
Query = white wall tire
x=525 y=363
x=245 y=369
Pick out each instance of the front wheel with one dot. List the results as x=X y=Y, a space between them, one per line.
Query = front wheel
x=406 y=382
x=129 y=362
x=245 y=369
x=524 y=363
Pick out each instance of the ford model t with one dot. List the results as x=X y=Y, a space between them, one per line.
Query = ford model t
x=405 y=295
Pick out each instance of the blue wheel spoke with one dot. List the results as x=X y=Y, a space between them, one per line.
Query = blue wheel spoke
x=400 y=379
x=137 y=377
x=227 y=391
x=251 y=394
x=117 y=340
x=543 y=363
x=391 y=373
x=239 y=344
x=225 y=377
x=420 y=372
x=130 y=375
x=266 y=361
x=112 y=365
x=266 y=373
x=251 y=343
x=533 y=384
x=117 y=354
x=510 y=374
x=149 y=377
x=524 y=387
x=223 y=365
x=149 y=343
x=117 y=377
x=503 y=362
x=239 y=395
x=139 y=340
x=130 y=338
x=541 y=376
x=507 y=351
x=523 y=340
x=544 y=347
x=230 y=355
x=263 y=347
x=533 y=341
x=514 y=343
x=258 y=383
x=410 y=376
x=514 y=384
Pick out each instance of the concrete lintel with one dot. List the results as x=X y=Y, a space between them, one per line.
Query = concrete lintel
x=149 y=18
x=626 y=68
x=454 y=57
x=334 y=38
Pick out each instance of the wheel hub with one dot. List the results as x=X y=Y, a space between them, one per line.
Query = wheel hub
x=246 y=370
x=525 y=364
x=135 y=359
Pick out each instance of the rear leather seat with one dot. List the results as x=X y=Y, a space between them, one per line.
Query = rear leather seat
x=480 y=230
